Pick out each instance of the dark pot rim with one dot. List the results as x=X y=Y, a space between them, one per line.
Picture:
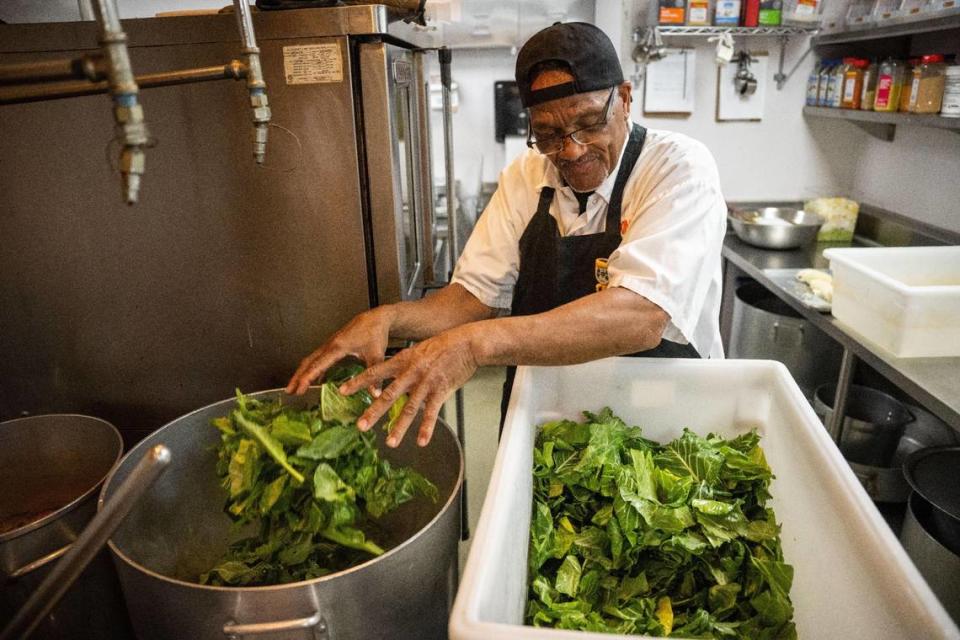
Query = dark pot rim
x=87 y=494
x=909 y=472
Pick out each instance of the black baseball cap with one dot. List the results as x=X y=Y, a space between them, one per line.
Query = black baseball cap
x=582 y=48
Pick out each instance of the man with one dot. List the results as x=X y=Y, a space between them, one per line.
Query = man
x=603 y=239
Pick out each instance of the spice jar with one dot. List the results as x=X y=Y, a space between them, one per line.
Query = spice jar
x=929 y=78
x=835 y=86
x=869 y=92
x=889 y=82
x=906 y=85
x=853 y=69
x=951 y=93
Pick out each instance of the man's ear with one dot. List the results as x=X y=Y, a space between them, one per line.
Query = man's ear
x=626 y=97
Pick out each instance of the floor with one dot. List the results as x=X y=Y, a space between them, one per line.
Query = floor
x=481 y=399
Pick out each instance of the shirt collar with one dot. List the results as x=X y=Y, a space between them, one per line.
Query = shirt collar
x=551 y=176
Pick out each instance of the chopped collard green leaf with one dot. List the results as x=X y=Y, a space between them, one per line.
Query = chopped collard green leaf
x=311 y=482
x=631 y=536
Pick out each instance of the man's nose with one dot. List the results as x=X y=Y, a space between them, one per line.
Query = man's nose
x=571 y=149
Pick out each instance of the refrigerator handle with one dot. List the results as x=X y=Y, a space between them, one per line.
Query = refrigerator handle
x=424 y=210
x=446 y=57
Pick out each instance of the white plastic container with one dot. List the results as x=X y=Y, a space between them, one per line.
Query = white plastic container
x=852 y=579
x=905 y=299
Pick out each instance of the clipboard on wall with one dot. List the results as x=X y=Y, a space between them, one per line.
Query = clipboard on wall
x=670 y=81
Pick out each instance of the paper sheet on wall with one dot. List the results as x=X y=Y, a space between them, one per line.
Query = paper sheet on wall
x=670 y=83
x=730 y=104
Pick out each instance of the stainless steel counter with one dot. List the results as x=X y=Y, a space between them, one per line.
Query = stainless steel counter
x=932 y=382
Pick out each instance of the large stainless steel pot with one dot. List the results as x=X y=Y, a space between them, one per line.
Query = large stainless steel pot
x=939 y=566
x=179 y=529
x=766 y=327
x=54 y=464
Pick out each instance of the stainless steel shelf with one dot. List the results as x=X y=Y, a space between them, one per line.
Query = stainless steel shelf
x=678 y=30
x=933 y=382
x=899 y=29
x=883 y=125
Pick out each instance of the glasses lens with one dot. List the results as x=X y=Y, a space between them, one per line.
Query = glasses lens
x=588 y=135
x=549 y=145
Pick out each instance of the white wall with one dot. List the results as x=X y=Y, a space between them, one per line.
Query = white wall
x=475 y=149
x=781 y=157
x=918 y=174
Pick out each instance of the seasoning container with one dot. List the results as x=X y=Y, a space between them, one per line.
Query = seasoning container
x=869 y=91
x=771 y=12
x=906 y=85
x=889 y=83
x=929 y=78
x=750 y=13
x=835 y=87
x=672 y=11
x=852 y=86
x=698 y=13
x=813 y=84
x=727 y=13
x=823 y=82
x=951 y=93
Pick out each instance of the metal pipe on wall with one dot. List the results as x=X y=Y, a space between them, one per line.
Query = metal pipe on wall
x=234 y=70
x=256 y=86
x=86 y=67
x=127 y=111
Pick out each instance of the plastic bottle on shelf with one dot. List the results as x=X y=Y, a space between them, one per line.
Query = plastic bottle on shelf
x=889 y=82
x=868 y=92
x=906 y=85
x=852 y=88
x=929 y=78
x=951 y=93
x=836 y=85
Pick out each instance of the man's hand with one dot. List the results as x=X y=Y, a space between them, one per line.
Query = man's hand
x=428 y=372
x=365 y=337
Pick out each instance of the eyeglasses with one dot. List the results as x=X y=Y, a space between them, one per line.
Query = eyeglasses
x=549 y=145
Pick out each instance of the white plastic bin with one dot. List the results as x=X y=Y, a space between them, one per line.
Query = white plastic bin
x=852 y=579
x=905 y=299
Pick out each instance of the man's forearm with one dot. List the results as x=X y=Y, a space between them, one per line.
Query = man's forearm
x=613 y=322
x=449 y=307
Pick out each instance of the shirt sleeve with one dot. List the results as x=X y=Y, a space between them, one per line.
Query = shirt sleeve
x=490 y=261
x=676 y=219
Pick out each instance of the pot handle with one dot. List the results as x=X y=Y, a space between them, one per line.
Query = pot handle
x=315 y=621
x=30 y=567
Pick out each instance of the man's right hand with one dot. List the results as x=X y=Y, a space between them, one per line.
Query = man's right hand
x=365 y=337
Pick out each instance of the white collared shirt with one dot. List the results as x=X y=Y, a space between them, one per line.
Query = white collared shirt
x=674 y=216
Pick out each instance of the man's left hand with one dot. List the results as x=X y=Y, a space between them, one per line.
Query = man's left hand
x=428 y=372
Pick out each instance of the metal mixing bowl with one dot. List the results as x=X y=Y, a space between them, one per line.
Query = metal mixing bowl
x=775 y=227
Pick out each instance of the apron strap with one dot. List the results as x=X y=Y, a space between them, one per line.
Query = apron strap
x=631 y=154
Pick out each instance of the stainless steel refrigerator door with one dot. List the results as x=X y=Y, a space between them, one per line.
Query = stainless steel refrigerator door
x=224 y=275
x=393 y=98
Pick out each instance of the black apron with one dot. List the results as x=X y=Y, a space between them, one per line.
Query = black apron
x=555 y=270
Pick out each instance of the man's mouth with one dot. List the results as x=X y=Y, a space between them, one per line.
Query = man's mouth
x=578 y=166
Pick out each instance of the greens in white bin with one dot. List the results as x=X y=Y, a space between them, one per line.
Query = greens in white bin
x=631 y=536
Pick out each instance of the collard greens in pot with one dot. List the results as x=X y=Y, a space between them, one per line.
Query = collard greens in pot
x=311 y=484
x=631 y=536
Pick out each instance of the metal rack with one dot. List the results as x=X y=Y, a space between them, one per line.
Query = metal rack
x=783 y=33
x=894 y=29
x=667 y=30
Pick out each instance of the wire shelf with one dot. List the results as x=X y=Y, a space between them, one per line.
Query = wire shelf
x=667 y=30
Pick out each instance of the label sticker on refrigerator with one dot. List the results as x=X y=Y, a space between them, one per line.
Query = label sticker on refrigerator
x=313 y=63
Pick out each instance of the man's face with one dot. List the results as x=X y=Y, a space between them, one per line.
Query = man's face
x=583 y=166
